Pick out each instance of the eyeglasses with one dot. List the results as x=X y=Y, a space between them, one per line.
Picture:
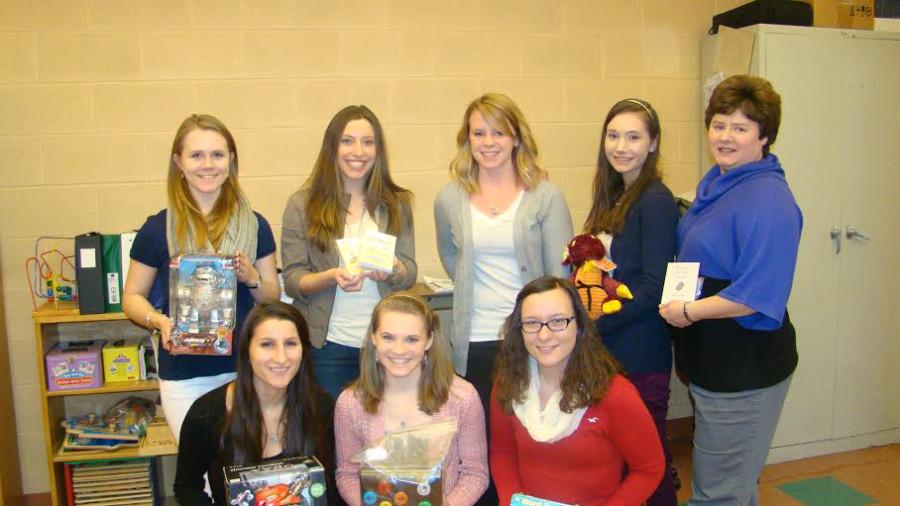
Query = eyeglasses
x=555 y=325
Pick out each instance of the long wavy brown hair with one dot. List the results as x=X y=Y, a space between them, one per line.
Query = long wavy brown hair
x=590 y=369
x=326 y=209
x=307 y=421
x=611 y=200
x=437 y=369
x=210 y=228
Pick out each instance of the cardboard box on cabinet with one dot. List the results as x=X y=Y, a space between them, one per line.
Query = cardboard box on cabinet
x=854 y=14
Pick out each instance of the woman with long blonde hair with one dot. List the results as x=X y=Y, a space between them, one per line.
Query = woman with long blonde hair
x=500 y=223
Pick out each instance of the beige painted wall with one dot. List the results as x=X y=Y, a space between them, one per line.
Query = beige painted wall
x=91 y=92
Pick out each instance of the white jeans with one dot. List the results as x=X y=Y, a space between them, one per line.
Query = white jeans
x=178 y=396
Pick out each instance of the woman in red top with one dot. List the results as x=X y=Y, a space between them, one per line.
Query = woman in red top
x=564 y=422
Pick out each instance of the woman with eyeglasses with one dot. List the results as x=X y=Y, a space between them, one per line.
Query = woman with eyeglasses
x=564 y=421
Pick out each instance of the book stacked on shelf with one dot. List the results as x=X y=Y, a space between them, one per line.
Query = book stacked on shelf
x=111 y=483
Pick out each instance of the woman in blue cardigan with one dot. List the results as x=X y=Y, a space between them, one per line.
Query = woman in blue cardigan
x=634 y=214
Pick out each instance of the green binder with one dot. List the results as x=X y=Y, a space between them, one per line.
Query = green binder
x=111 y=246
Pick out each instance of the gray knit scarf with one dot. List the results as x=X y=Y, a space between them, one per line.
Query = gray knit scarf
x=240 y=235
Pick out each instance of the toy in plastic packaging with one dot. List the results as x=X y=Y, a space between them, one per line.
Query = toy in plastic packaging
x=202 y=304
x=405 y=467
x=293 y=480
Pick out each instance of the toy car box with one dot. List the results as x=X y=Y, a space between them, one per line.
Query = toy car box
x=122 y=360
x=397 y=486
x=74 y=365
x=294 y=480
x=202 y=304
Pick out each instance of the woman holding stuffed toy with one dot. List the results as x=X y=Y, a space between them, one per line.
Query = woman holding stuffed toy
x=350 y=193
x=564 y=422
x=736 y=345
x=406 y=380
x=207 y=213
x=634 y=215
x=273 y=409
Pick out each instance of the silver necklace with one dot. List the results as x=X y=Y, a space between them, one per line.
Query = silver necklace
x=493 y=211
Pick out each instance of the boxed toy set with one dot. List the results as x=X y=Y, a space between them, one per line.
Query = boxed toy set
x=74 y=365
x=413 y=487
x=202 y=304
x=293 y=480
x=122 y=360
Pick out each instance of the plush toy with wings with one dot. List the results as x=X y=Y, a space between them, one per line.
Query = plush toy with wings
x=600 y=293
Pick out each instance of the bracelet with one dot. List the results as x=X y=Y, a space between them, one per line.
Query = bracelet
x=685 y=313
x=254 y=286
x=148 y=318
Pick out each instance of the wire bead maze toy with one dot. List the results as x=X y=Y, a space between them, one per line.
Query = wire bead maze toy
x=51 y=273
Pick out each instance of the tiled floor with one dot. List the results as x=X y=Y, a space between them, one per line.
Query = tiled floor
x=870 y=476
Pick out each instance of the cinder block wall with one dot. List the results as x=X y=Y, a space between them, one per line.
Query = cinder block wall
x=91 y=92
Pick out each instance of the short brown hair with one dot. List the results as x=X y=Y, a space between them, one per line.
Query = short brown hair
x=588 y=374
x=437 y=369
x=753 y=96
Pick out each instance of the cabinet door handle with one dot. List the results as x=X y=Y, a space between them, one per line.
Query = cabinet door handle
x=853 y=233
x=836 y=239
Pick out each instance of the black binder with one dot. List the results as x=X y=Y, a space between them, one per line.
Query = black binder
x=774 y=12
x=89 y=273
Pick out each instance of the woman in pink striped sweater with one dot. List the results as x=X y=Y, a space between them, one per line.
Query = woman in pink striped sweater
x=406 y=379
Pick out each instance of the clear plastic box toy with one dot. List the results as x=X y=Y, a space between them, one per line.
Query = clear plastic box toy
x=202 y=304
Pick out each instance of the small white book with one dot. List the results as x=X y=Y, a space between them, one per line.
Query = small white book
x=370 y=251
x=376 y=251
x=681 y=282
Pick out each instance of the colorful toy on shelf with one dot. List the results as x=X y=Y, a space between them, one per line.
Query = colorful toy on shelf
x=294 y=480
x=202 y=303
x=121 y=426
x=600 y=293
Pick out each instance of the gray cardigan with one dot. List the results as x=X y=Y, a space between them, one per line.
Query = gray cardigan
x=299 y=257
x=541 y=230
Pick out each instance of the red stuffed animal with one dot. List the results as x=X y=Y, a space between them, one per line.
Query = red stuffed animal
x=600 y=293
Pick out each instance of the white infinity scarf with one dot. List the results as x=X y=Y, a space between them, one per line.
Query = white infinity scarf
x=550 y=424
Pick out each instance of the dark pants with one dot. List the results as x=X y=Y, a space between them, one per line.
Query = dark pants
x=335 y=366
x=480 y=373
x=654 y=391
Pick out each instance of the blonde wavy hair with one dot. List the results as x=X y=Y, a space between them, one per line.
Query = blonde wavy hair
x=502 y=113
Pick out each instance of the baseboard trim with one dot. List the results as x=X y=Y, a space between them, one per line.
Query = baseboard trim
x=42 y=499
x=827 y=447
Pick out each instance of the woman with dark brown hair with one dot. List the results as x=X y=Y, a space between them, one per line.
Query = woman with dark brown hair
x=737 y=347
x=633 y=213
x=349 y=193
x=564 y=421
x=273 y=409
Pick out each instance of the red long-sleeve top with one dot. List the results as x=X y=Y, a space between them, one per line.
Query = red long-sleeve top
x=586 y=467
